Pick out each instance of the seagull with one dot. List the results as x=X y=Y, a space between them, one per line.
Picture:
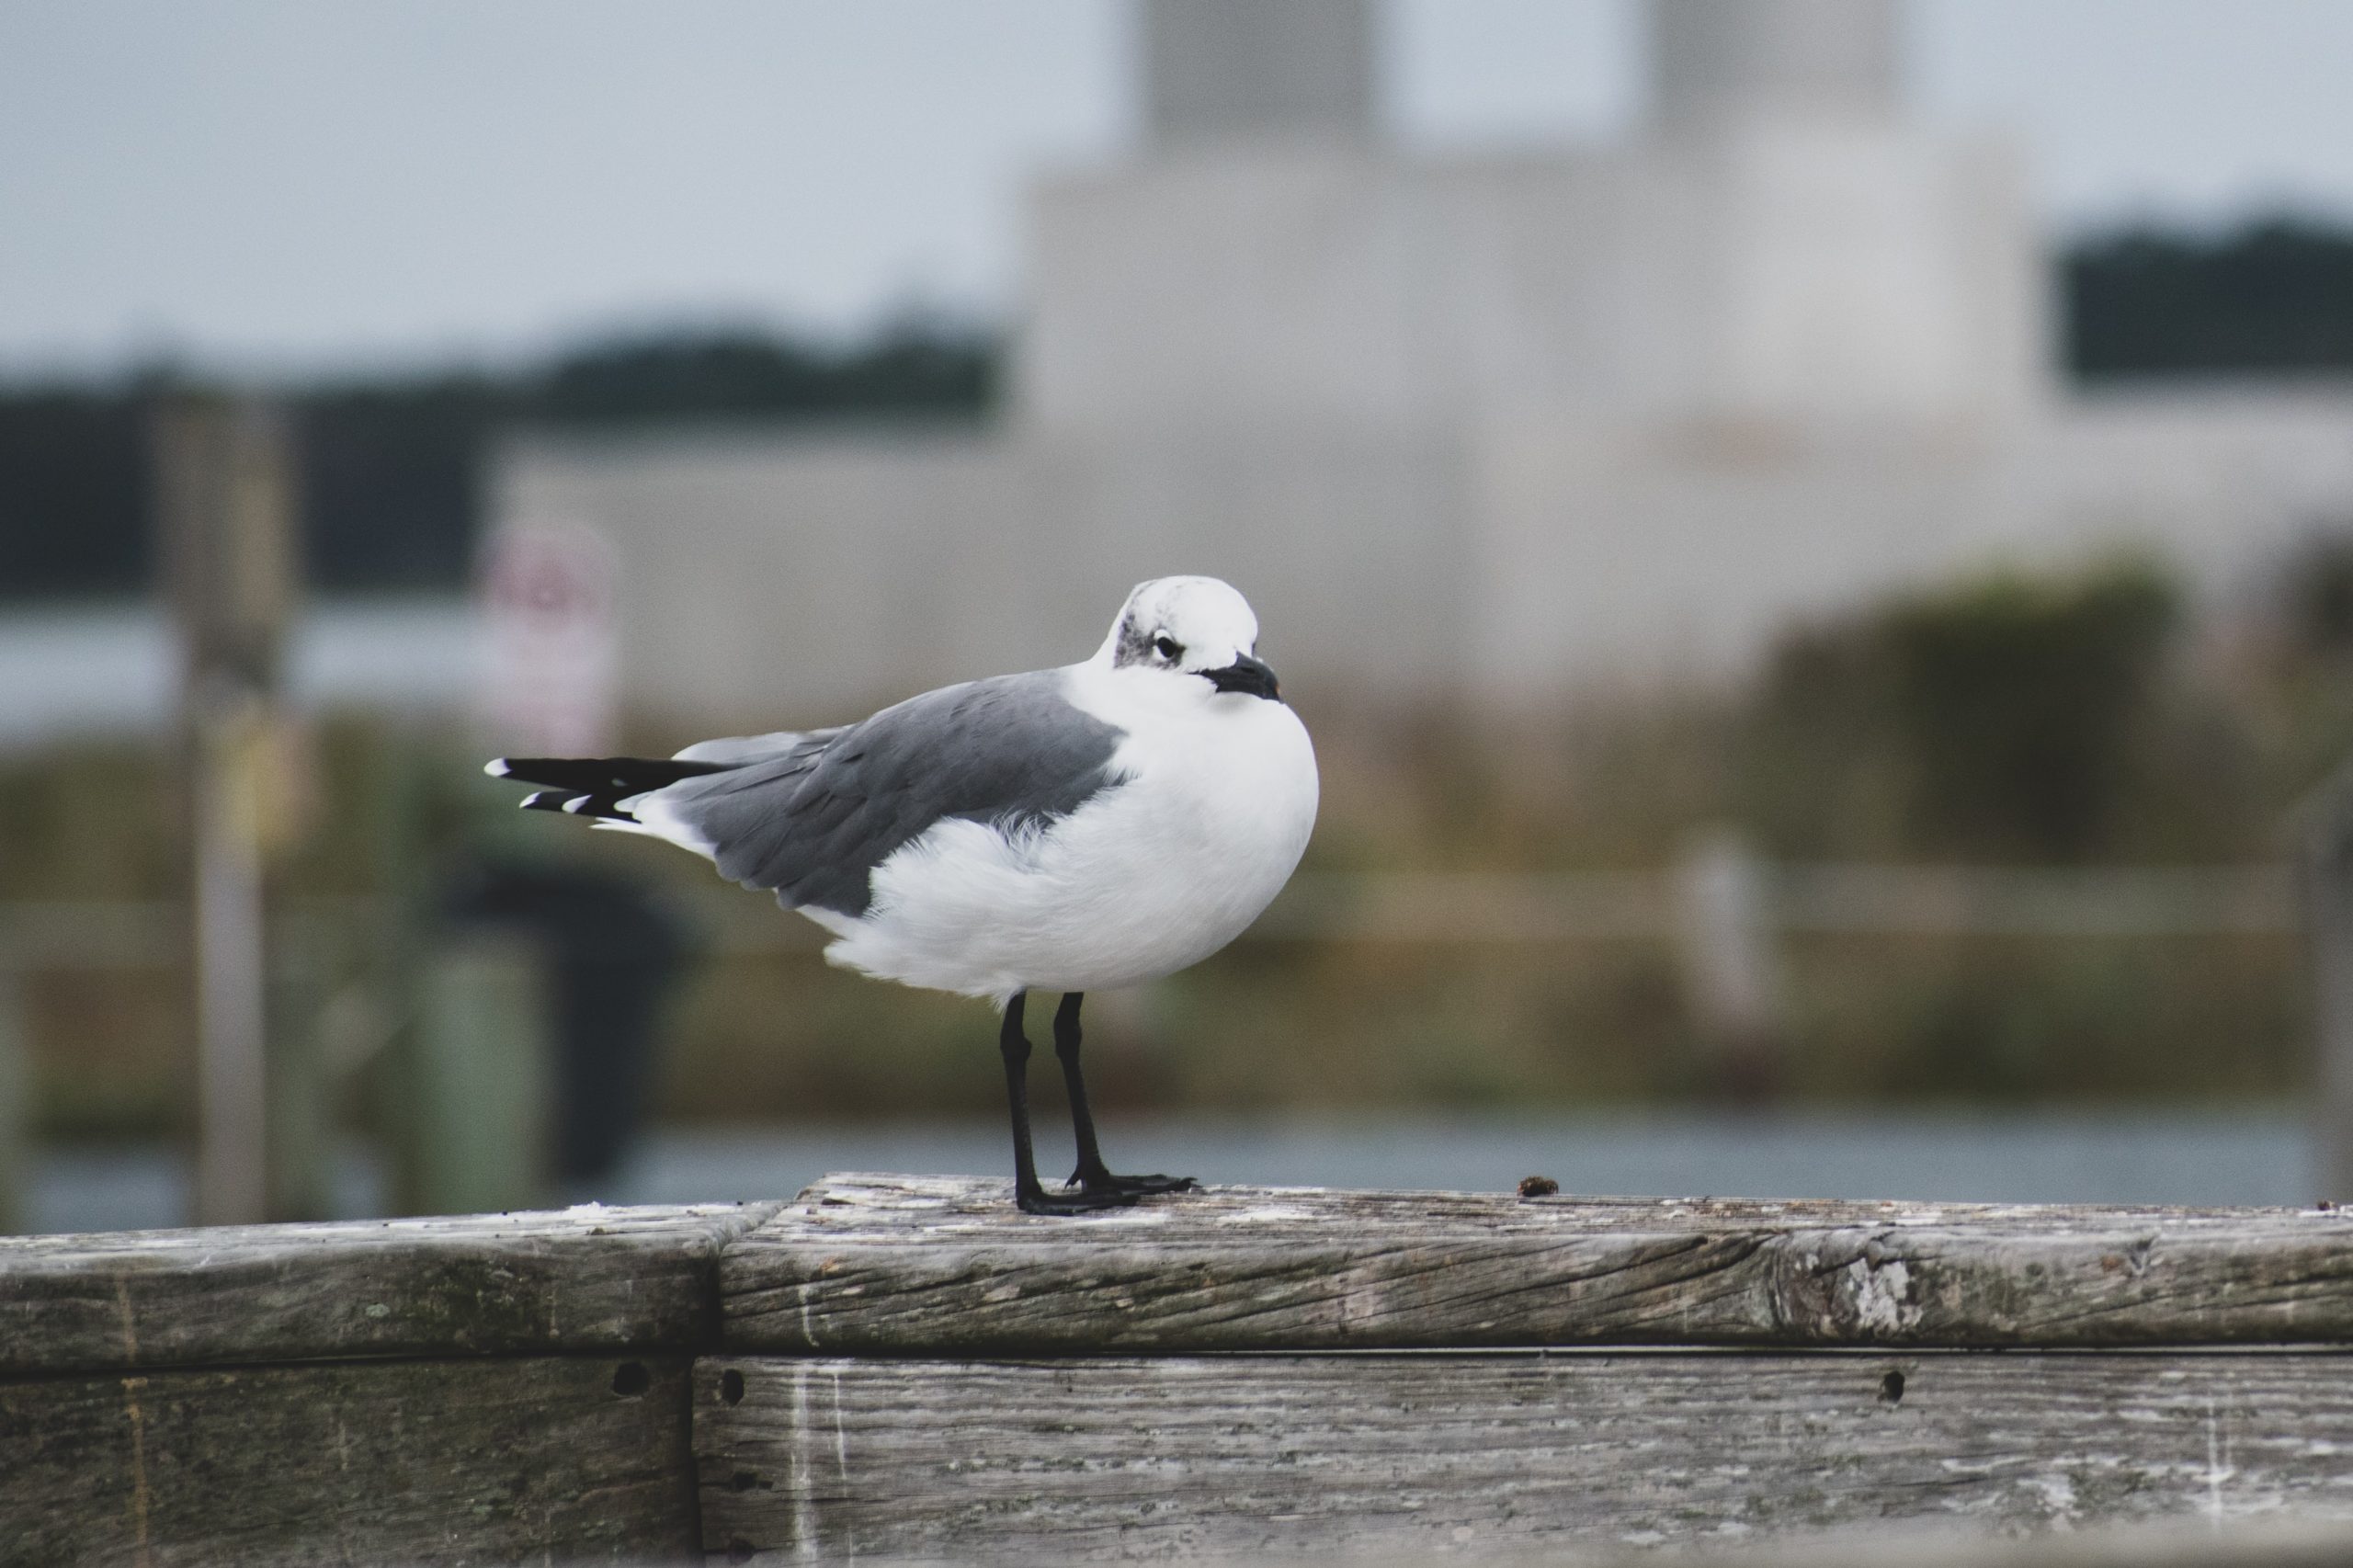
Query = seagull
x=1072 y=830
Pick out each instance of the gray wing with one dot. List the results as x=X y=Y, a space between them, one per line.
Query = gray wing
x=813 y=818
x=737 y=749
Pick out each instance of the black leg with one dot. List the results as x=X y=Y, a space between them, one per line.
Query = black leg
x=1031 y=1197
x=1091 y=1175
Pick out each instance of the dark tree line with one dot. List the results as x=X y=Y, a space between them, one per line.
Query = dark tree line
x=74 y=493
x=391 y=469
x=2273 y=298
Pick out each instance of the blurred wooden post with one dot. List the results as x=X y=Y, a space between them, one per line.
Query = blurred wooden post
x=1731 y=978
x=16 y=1109
x=300 y=1132
x=226 y=504
x=2328 y=902
x=476 y=1081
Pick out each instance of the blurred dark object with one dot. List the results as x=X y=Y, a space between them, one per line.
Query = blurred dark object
x=2326 y=829
x=390 y=467
x=613 y=956
x=2317 y=597
x=1538 y=1187
x=2276 y=295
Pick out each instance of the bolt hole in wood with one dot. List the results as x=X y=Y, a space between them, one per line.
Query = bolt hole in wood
x=731 y=1387
x=739 y=1551
x=1891 y=1387
x=743 y=1481
x=631 y=1380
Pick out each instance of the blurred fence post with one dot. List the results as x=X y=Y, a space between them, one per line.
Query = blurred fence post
x=225 y=509
x=477 y=1081
x=300 y=1130
x=2328 y=902
x=1731 y=977
x=15 y=1108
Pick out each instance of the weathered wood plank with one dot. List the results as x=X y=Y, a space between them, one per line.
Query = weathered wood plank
x=2269 y=1544
x=935 y=1265
x=1122 y=1458
x=585 y=1279
x=2183 y=1543
x=550 y=1459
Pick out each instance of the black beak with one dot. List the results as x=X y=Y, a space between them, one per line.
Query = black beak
x=1247 y=674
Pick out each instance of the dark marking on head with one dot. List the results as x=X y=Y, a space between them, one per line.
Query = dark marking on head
x=1135 y=643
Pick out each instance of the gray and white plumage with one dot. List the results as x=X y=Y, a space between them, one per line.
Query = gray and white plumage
x=813 y=818
x=1069 y=829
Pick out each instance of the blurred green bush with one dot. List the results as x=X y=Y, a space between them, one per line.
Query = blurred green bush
x=2012 y=718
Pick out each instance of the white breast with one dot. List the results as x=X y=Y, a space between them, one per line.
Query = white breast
x=1147 y=878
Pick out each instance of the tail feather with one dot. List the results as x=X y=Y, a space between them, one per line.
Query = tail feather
x=595 y=786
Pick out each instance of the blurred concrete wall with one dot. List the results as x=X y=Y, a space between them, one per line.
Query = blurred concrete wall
x=768 y=581
x=1795 y=271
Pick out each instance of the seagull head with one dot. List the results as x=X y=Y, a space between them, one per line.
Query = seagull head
x=1191 y=637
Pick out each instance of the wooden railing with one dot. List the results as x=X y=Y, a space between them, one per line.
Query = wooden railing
x=894 y=1367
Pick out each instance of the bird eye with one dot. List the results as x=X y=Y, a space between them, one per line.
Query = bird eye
x=1168 y=648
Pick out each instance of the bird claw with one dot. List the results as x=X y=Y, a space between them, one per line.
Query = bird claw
x=1130 y=1185
x=1084 y=1202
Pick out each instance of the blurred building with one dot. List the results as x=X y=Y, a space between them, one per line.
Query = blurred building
x=1484 y=427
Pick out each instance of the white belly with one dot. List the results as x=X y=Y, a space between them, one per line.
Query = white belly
x=1146 y=879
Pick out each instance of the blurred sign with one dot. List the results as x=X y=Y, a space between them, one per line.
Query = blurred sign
x=551 y=655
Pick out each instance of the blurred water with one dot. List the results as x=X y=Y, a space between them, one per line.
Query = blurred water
x=113 y=669
x=2234 y=1158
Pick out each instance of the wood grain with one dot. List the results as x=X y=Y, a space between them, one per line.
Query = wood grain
x=564 y=1460
x=938 y=1266
x=587 y=1278
x=2183 y=1544
x=1120 y=1457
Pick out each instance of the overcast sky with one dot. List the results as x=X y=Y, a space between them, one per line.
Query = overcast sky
x=332 y=182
